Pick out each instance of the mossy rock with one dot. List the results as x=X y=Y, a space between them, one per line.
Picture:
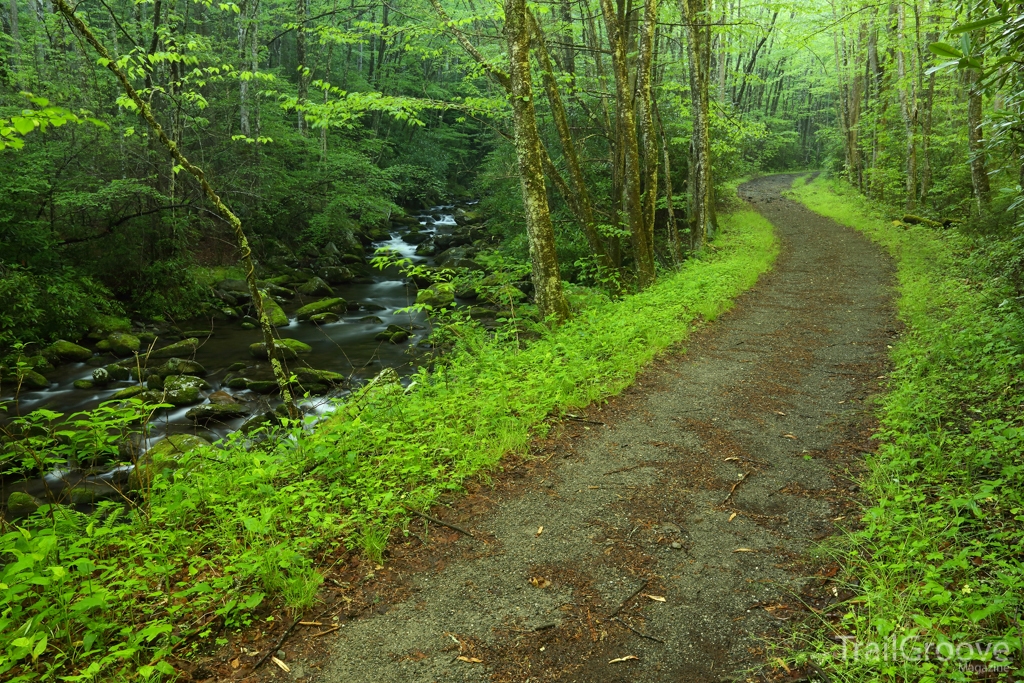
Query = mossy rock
x=248 y=326
x=181 y=366
x=183 y=397
x=330 y=305
x=30 y=379
x=128 y=392
x=315 y=286
x=262 y=386
x=217 y=411
x=198 y=334
x=84 y=384
x=63 y=350
x=274 y=312
x=155 y=383
x=103 y=345
x=122 y=343
x=435 y=296
x=115 y=372
x=237 y=383
x=319 y=376
x=282 y=350
x=182 y=382
x=20 y=504
x=324 y=318
x=235 y=367
x=163 y=456
x=372 y=319
x=185 y=347
x=280 y=280
x=146 y=338
x=100 y=377
x=399 y=337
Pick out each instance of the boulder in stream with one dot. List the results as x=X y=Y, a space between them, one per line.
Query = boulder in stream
x=181 y=382
x=20 y=504
x=65 y=351
x=284 y=349
x=180 y=366
x=122 y=343
x=315 y=286
x=435 y=296
x=185 y=347
x=163 y=456
x=217 y=411
x=128 y=392
x=274 y=312
x=330 y=305
x=32 y=380
x=336 y=275
x=324 y=318
x=84 y=384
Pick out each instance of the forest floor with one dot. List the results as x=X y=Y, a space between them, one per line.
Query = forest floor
x=670 y=529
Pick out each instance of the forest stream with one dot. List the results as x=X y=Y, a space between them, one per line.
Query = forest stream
x=350 y=346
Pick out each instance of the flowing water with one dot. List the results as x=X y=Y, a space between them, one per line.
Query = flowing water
x=347 y=346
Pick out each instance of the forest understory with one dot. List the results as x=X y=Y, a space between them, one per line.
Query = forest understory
x=574 y=340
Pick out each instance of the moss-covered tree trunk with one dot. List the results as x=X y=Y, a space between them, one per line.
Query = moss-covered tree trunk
x=197 y=173
x=703 y=218
x=547 y=281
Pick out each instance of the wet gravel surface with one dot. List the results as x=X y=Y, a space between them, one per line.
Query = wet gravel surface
x=670 y=527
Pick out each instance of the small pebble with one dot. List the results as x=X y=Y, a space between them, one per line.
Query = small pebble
x=281 y=655
x=676 y=545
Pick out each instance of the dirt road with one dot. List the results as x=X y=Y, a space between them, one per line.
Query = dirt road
x=677 y=521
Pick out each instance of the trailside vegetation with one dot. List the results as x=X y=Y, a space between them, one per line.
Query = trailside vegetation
x=937 y=556
x=223 y=530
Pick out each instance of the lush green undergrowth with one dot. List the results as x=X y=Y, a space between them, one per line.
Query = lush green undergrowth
x=104 y=595
x=939 y=555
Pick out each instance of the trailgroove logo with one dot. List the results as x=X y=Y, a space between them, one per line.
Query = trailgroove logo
x=977 y=657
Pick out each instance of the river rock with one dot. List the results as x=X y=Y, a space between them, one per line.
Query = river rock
x=324 y=318
x=182 y=397
x=319 y=376
x=146 y=338
x=65 y=351
x=276 y=290
x=115 y=372
x=155 y=383
x=393 y=334
x=248 y=326
x=336 y=275
x=274 y=312
x=240 y=365
x=222 y=398
x=416 y=237
x=428 y=248
x=123 y=344
x=181 y=366
x=20 y=504
x=100 y=377
x=217 y=411
x=83 y=384
x=236 y=383
x=331 y=305
x=103 y=345
x=315 y=286
x=262 y=386
x=284 y=349
x=128 y=392
x=435 y=296
x=30 y=379
x=372 y=319
x=180 y=382
x=163 y=456
x=198 y=334
x=185 y=347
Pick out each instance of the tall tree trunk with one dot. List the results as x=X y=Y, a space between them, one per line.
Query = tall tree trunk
x=547 y=281
x=675 y=246
x=645 y=110
x=616 y=24
x=300 y=56
x=703 y=218
x=580 y=201
x=976 y=141
x=15 y=34
x=222 y=209
x=908 y=106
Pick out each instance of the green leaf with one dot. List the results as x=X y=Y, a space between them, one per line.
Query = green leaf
x=23 y=124
x=945 y=50
x=975 y=25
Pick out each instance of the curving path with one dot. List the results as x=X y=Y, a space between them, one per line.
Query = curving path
x=708 y=480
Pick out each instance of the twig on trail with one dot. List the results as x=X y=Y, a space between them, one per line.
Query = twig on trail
x=280 y=642
x=324 y=633
x=746 y=475
x=639 y=633
x=631 y=596
x=627 y=469
x=577 y=418
x=435 y=520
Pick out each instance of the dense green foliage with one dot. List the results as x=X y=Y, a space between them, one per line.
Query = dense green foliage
x=938 y=555
x=94 y=595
